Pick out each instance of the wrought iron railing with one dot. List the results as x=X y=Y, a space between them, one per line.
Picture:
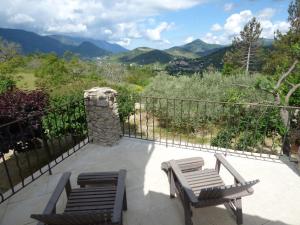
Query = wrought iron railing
x=239 y=128
x=32 y=146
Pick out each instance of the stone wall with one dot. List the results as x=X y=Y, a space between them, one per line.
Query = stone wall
x=102 y=116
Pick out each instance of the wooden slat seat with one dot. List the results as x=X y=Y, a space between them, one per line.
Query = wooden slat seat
x=203 y=179
x=91 y=199
x=100 y=204
x=202 y=188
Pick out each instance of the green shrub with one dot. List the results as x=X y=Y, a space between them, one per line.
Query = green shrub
x=6 y=84
x=126 y=101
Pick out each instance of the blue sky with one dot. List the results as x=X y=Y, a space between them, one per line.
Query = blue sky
x=156 y=23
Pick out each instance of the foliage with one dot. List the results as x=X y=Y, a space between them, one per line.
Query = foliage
x=286 y=52
x=126 y=101
x=17 y=104
x=248 y=127
x=10 y=57
x=26 y=109
x=139 y=75
x=65 y=119
x=8 y=50
x=294 y=16
x=6 y=84
x=245 y=47
x=52 y=72
x=211 y=87
x=240 y=126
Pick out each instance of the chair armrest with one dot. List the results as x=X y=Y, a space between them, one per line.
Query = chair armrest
x=231 y=170
x=118 y=204
x=64 y=183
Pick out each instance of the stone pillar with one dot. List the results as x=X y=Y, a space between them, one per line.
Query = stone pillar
x=102 y=115
x=299 y=159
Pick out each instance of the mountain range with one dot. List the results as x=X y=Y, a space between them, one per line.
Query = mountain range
x=76 y=41
x=85 y=47
x=193 y=52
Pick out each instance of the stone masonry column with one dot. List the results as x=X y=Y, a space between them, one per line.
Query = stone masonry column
x=102 y=115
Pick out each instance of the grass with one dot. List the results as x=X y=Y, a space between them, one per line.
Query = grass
x=25 y=80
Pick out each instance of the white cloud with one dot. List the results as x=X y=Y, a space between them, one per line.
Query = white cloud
x=111 y=20
x=214 y=39
x=155 y=33
x=68 y=28
x=270 y=28
x=189 y=39
x=108 y=31
x=216 y=27
x=124 y=42
x=266 y=13
x=131 y=29
x=228 y=7
x=236 y=22
x=20 y=19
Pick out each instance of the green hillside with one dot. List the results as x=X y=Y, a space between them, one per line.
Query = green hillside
x=194 y=49
x=180 y=52
x=146 y=56
x=198 y=46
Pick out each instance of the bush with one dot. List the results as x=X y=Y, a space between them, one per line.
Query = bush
x=6 y=84
x=66 y=119
x=126 y=101
x=139 y=75
x=27 y=108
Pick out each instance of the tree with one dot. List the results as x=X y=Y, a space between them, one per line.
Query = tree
x=8 y=50
x=10 y=57
x=294 y=16
x=284 y=65
x=248 y=42
x=245 y=47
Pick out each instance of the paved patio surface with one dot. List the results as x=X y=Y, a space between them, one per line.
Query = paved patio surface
x=276 y=199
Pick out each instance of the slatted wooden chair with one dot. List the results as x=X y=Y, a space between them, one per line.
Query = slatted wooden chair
x=96 y=205
x=203 y=188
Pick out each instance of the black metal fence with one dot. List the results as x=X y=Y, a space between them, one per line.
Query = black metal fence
x=250 y=129
x=32 y=146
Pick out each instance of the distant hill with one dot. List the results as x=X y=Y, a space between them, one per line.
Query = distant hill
x=147 y=56
x=126 y=57
x=114 y=48
x=199 y=46
x=89 y=50
x=194 y=49
x=181 y=52
x=32 y=42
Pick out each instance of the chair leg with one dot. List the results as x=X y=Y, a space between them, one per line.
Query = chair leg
x=239 y=211
x=172 y=185
x=125 y=201
x=187 y=211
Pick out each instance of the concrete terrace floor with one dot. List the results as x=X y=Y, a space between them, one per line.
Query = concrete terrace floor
x=276 y=198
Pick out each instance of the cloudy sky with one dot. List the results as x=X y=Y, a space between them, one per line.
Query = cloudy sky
x=153 y=23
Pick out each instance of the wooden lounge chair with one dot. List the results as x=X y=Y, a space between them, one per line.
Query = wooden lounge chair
x=202 y=188
x=102 y=203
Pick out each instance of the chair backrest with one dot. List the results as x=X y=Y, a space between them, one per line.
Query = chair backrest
x=74 y=218
x=227 y=191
